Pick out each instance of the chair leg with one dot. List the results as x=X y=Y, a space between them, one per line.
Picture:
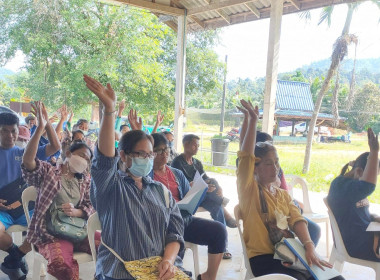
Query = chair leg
x=17 y=238
x=327 y=240
x=338 y=264
x=36 y=269
x=196 y=260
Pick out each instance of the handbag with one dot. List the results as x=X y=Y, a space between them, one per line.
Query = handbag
x=12 y=193
x=146 y=268
x=73 y=229
x=275 y=233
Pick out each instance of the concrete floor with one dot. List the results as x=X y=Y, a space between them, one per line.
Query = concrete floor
x=232 y=269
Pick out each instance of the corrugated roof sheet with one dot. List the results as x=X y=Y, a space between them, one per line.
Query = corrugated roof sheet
x=294 y=96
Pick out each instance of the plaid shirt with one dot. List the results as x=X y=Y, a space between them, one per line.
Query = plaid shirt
x=47 y=180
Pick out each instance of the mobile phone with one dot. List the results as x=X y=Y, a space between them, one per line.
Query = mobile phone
x=15 y=205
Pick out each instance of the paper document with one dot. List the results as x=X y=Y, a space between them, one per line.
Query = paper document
x=299 y=250
x=194 y=196
x=373 y=226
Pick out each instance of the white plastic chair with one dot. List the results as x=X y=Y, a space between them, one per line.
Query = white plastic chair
x=293 y=180
x=194 y=249
x=16 y=232
x=275 y=277
x=339 y=253
x=248 y=274
x=30 y=194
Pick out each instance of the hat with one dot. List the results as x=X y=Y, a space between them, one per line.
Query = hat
x=23 y=132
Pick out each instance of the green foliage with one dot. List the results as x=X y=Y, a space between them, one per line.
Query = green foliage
x=365 y=107
x=126 y=47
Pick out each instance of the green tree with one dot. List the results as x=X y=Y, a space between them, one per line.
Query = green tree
x=126 y=47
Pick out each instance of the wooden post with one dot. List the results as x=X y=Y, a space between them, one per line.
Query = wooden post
x=272 y=65
x=223 y=100
x=180 y=83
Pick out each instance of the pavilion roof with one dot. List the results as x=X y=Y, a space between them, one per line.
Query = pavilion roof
x=212 y=14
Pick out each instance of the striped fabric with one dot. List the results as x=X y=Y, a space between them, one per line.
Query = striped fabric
x=135 y=223
x=294 y=96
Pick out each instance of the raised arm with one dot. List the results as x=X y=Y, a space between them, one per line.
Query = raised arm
x=249 y=141
x=31 y=149
x=106 y=140
x=54 y=144
x=159 y=120
x=371 y=169
x=244 y=126
x=119 y=114
x=64 y=113
x=134 y=120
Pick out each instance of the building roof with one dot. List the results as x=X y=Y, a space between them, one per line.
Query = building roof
x=212 y=14
x=294 y=96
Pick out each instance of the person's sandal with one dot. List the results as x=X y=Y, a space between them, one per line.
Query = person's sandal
x=227 y=255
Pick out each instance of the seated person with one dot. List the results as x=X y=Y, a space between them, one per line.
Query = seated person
x=256 y=177
x=64 y=188
x=82 y=124
x=136 y=221
x=197 y=230
x=23 y=136
x=313 y=228
x=348 y=200
x=172 y=153
x=214 y=201
x=11 y=212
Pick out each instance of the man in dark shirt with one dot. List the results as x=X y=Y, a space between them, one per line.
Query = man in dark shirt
x=214 y=201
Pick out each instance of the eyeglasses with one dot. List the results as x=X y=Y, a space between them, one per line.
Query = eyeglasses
x=143 y=155
x=162 y=151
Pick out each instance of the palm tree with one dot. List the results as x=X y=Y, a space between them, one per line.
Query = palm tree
x=339 y=52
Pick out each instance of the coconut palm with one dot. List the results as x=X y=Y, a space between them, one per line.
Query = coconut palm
x=339 y=52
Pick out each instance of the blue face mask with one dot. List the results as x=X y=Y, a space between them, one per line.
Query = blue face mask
x=141 y=166
x=171 y=144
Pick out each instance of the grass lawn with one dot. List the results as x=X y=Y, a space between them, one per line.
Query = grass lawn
x=326 y=162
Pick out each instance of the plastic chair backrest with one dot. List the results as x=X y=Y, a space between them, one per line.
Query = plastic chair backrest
x=246 y=260
x=337 y=236
x=28 y=195
x=93 y=224
x=293 y=180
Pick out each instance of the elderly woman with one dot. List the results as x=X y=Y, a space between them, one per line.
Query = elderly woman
x=136 y=220
x=199 y=231
x=65 y=190
x=256 y=177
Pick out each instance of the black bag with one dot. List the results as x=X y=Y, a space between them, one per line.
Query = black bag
x=12 y=193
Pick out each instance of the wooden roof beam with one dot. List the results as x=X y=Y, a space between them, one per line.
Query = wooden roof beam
x=172 y=24
x=154 y=7
x=253 y=9
x=198 y=21
x=216 y=6
x=224 y=15
x=296 y=4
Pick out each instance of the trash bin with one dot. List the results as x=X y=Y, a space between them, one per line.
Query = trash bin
x=219 y=149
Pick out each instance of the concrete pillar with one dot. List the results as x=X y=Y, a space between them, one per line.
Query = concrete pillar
x=180 y=83
x=272 y=65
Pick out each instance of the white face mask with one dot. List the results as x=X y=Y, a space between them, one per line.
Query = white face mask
x=77 y=164
x=21 y=144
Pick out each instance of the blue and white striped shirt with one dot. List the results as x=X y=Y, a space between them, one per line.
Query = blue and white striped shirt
x=135 y=223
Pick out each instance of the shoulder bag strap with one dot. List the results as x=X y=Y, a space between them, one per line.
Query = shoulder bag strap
x=112 y=251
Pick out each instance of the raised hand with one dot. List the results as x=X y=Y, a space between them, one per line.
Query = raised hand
x=134 y=121
x=373 y=141
x=243 y=110
x=252 y=111
x=105 y=94
x=64 y=112
x=159 y=118
x=39 y=110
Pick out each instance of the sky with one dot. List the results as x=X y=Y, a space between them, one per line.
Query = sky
x=301 y=43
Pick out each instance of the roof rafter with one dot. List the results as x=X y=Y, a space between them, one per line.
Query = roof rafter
x=253 y=9
x=296 y=4
x=154 y=7
x=224 y=15
x=216 y=6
